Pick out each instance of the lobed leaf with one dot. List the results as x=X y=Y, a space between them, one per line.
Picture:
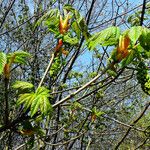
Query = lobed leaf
x=70 y=40
x=35 y=101
x=145 y=38
x=24 y=98
x=20 y=57
x=107 y=37
x=22 y=85
x=134 y=33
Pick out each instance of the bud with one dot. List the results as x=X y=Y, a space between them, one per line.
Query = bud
x=122 y=49
x=63 y=24
x=7 y=71
x=59 y=45
x=65 y=52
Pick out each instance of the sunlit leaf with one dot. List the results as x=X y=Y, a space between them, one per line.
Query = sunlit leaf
x=22 y=85
x=145 y=38
x=107 y=37
x=36 y=101
x=71 y=40
x=24 y=97
x=128 y=59
x=20 y=57
x=76 y=29
x=134 y=33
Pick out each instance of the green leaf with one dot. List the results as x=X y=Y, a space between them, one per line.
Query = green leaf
x=36 y=101
x=28 y=102
x=24 y=98
x=70 y=40
x=76 y=29
x=35 y=105
x=97 y=112
x=134 y=33
x=145 y=38
x=3 y=61
x=22 y=85
x=45 y=105
x=20 y=57
x=114 y=54
x=107 y=37
x=52 y=24
x=42 y=91
x=22 y=54
x=128 y=59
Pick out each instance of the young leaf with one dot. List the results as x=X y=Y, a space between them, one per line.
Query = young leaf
x=69 y=8
x=70 y=40
x=45 y=105
x=35 y=105
x=22 y=54
x=134 y=33
x=112 y=73
x=25 y=98
x=3 y=60
x=128 y=59
x=20 y=57
x=41 y=101
x=107 y=37
x=145 y=38
x=52 y=24
x=22 y=85
x=76 y=29
x=42 y=91
x=35 y=101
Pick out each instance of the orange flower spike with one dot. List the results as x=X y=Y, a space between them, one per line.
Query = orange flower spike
x=124 y=42
x=61 y=25
x=122 y=49
x=64 y=24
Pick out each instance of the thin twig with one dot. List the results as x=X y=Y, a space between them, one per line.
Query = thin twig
x=64 y=143
x=88 y=146
x=80 y=89
x=46 y=71
x=6 y=13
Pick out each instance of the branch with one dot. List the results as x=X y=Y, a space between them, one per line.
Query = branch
x=107 y=21
x=122 y=123
x=46 y=71
x=80 y=89
x=64 y=143
x=143 y=12
x=6 y=13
